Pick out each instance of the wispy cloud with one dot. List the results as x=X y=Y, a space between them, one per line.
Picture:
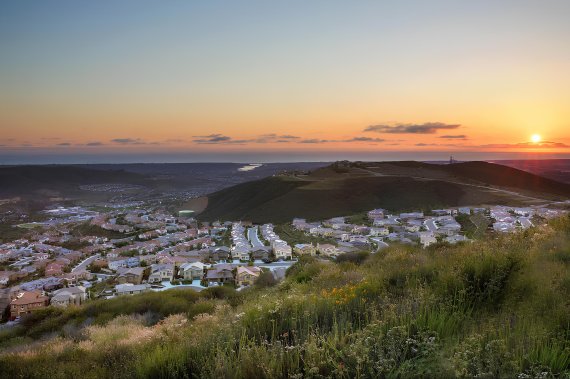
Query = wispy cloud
x=364 y=139
x=64 y=144
x=212 y=139
x=314 y=140
x=425 y=128
x=264 y=138
x=94 y=143
x=455 y=136
x=277 y=138
x=129 y=141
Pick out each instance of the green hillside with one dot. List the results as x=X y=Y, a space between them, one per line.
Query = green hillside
x=492 y=309
x=477 y=172
x=22 y=180
x=345 y=189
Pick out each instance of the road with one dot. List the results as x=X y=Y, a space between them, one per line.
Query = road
x=253 y=237
x=430 y=225
x=86 y=262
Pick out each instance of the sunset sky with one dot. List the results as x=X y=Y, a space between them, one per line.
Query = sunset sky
x=90 y=81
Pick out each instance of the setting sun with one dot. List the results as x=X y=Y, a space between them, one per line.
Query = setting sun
x=535 y=138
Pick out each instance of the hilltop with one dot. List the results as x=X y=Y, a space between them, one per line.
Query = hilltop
x=348 y=188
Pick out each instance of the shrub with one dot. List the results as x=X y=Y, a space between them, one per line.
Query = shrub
x=353 y=257
x=265 y=279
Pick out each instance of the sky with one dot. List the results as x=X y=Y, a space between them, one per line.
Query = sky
x=196 y=81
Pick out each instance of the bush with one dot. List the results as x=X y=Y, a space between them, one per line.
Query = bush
x=353 y=257
x=265 y=279
x=304 y=270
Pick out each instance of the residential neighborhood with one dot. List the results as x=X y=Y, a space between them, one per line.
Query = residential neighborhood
x=153 y=250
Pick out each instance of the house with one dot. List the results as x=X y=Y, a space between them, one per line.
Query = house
x=69 y=296
x=220 y=274
x=261 y=253
x=221 y=253
x=160 y=272
x=72 y=278
x=240 y=252
x=192 y=271
x=410 y=215
x=54 y=269
x=304 y=249
x=281 y=250
x=114 y=264
x=246 y=275
x=131 y=289
x=26 y=302
x=412 y=228
x=328 y=250
x=132 y=275
x=427 y=238
x=379 y=232
x=376 y=214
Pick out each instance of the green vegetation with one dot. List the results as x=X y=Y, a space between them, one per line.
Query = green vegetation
x=474 y=226
x=495 y=308
x=359 y=219
x=10 y=233
x=358 y=187
x=347 y=188
x=88 y=229
x=294 y=236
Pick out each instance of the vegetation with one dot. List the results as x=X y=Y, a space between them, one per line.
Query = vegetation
x=294 y=236
x=352 y=188
x=474 y=226
x=495 y=308
x=88 y=229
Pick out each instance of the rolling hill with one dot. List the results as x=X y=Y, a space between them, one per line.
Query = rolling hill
x=22 y=180
x=348 y=188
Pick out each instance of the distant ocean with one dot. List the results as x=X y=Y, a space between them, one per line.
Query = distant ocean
x=19 y=157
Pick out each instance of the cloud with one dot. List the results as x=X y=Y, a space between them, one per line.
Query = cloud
x=275 y=138
x=425 y=128
x=94 y=143
x=288 y=136
x=212 y=138
x=128 y=141
x=364 y=139
x=456 y=136
x=64 y=144
x=527 y=145
x=264 y=138
x=314 y=140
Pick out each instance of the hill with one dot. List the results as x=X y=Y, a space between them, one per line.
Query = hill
x=19 y=180
x=496 y=308
x=348 y=188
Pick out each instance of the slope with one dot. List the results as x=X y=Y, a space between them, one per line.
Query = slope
x=349 y=188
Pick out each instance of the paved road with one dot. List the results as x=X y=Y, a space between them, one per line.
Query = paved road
x=430 y=225
x=86 y=262
x=253 y=237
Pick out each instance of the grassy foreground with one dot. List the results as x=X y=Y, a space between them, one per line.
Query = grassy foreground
x=491 y=309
